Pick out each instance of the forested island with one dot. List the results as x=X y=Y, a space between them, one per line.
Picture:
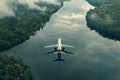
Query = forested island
x=26 y=22
x=12 y=68
x=105 y=18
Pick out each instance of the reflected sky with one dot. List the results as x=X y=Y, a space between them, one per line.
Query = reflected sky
x=96 y=58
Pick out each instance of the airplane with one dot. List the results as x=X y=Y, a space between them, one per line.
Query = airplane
x=59 y=49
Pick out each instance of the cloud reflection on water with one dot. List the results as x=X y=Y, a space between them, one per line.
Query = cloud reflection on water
x=96 y=58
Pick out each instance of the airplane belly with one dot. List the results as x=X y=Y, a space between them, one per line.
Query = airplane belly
x=59 y=48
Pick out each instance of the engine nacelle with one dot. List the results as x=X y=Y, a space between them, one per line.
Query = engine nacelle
x=63 y=49
x=55 y=49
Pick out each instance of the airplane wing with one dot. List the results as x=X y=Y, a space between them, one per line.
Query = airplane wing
x=64 y=45
x=54 y=45
x=50 y=52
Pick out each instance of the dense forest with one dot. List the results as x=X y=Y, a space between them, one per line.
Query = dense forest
x=16 y=29
x=105 y=18
x=101 y=2
x=12 y=68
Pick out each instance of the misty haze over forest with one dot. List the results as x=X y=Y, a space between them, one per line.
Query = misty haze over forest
x=6 y=6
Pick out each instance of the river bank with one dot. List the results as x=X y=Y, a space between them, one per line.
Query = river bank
x=15 y=30
x=104 y=19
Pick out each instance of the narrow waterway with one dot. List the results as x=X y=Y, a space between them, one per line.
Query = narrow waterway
x=96 y=57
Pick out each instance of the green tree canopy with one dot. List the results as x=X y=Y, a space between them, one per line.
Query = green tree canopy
x=105 y=19
x=12 y=68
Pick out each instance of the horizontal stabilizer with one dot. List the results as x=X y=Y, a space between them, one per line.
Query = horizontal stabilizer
x=59 y=60
x=68 y=52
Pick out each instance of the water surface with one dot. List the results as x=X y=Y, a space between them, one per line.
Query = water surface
x=96 y=58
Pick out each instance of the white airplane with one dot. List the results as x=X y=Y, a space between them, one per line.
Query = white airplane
x=59 y=49
x=59 y=46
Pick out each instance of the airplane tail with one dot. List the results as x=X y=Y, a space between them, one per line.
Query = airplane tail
x=59 y=60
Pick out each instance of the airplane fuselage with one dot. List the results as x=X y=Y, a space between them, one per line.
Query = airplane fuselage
x=59 y=48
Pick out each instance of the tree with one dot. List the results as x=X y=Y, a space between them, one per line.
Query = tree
x=105 y=19
x=12 y=68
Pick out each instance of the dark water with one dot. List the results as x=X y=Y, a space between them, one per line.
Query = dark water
x=96 y=58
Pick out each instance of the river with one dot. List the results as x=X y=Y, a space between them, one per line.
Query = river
x=95 y=58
